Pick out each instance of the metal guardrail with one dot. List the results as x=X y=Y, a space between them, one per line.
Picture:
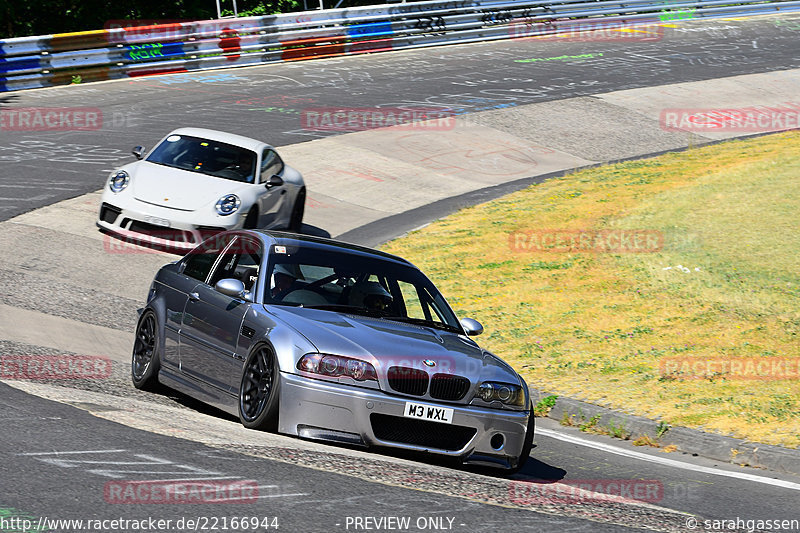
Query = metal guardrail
x=43 y=61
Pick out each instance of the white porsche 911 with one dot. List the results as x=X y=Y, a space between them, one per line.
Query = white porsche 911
x=198 y=182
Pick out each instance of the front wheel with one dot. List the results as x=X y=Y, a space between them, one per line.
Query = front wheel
x=145 y=361
x=526 y=446
x=296 y=222
x=259 y=390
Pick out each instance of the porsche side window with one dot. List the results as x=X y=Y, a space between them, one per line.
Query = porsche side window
x=271 y=164
x=239 y=261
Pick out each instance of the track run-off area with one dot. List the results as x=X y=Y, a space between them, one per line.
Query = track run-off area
x=525 y=110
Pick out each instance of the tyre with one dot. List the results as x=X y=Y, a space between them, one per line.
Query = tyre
x=251 y=221
x=260 y=390
x=526 y=447
x=296 y=222
x=145 y=360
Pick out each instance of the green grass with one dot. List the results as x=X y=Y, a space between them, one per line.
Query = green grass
x=597 y=326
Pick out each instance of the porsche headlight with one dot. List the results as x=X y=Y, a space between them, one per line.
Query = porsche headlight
x=118 y=181
x=506 y=393
x=228 y=204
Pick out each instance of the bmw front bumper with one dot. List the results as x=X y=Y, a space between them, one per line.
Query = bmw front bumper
x=324 y=410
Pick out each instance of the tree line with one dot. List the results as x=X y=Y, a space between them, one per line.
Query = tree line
x=19 y=18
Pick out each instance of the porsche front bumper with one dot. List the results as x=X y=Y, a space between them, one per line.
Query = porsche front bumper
x=152 y=225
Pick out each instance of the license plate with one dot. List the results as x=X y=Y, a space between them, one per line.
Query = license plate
x=428 y=412
x=157 y=221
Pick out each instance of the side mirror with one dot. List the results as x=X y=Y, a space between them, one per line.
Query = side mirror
x=233 y=288
x=274 y=181
x=138 y=151
x=471 y=326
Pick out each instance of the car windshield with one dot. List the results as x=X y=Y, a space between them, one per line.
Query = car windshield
x=357 y=284
x=213 y=158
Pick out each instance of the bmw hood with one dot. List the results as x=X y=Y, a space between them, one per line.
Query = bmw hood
x=178 y=189
x=387 y=343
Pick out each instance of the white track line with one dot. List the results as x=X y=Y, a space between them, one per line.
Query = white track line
x=666 y=462
x=72 y=452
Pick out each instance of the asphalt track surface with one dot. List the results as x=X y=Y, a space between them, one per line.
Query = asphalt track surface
x=267 y=102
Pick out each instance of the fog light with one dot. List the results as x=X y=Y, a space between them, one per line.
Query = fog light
x=498 y=441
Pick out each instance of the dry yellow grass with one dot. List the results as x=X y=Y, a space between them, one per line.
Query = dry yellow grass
x=597 y=326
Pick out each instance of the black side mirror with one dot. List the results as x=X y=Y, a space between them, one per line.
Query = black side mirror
x=274 y=181
x=138 y=151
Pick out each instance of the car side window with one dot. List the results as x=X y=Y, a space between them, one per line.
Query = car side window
x=271 y=164
x=240 y=260
x=411 y=300
x=199 y=262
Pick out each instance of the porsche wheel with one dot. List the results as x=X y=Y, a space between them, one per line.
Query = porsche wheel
x=259 y=390
x=296 y=222
x=251 y=221
x=145 y=361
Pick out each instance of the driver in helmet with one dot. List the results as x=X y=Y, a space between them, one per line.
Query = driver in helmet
x=284 y=278
x=370 y=295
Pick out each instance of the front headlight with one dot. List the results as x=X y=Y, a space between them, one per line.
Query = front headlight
x=118 y=181
x=334 y=366
x=508 y=394
x=228 y=204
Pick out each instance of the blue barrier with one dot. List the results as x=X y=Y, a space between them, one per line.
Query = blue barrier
x=370 y=29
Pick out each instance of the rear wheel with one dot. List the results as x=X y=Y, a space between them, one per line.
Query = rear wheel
x=259 y=390
x=296 y=222
x=145 y=361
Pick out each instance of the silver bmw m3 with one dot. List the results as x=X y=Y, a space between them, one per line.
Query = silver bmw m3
x=331 y=341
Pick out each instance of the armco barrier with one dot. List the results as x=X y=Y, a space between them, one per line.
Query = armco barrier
x=44 y=61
